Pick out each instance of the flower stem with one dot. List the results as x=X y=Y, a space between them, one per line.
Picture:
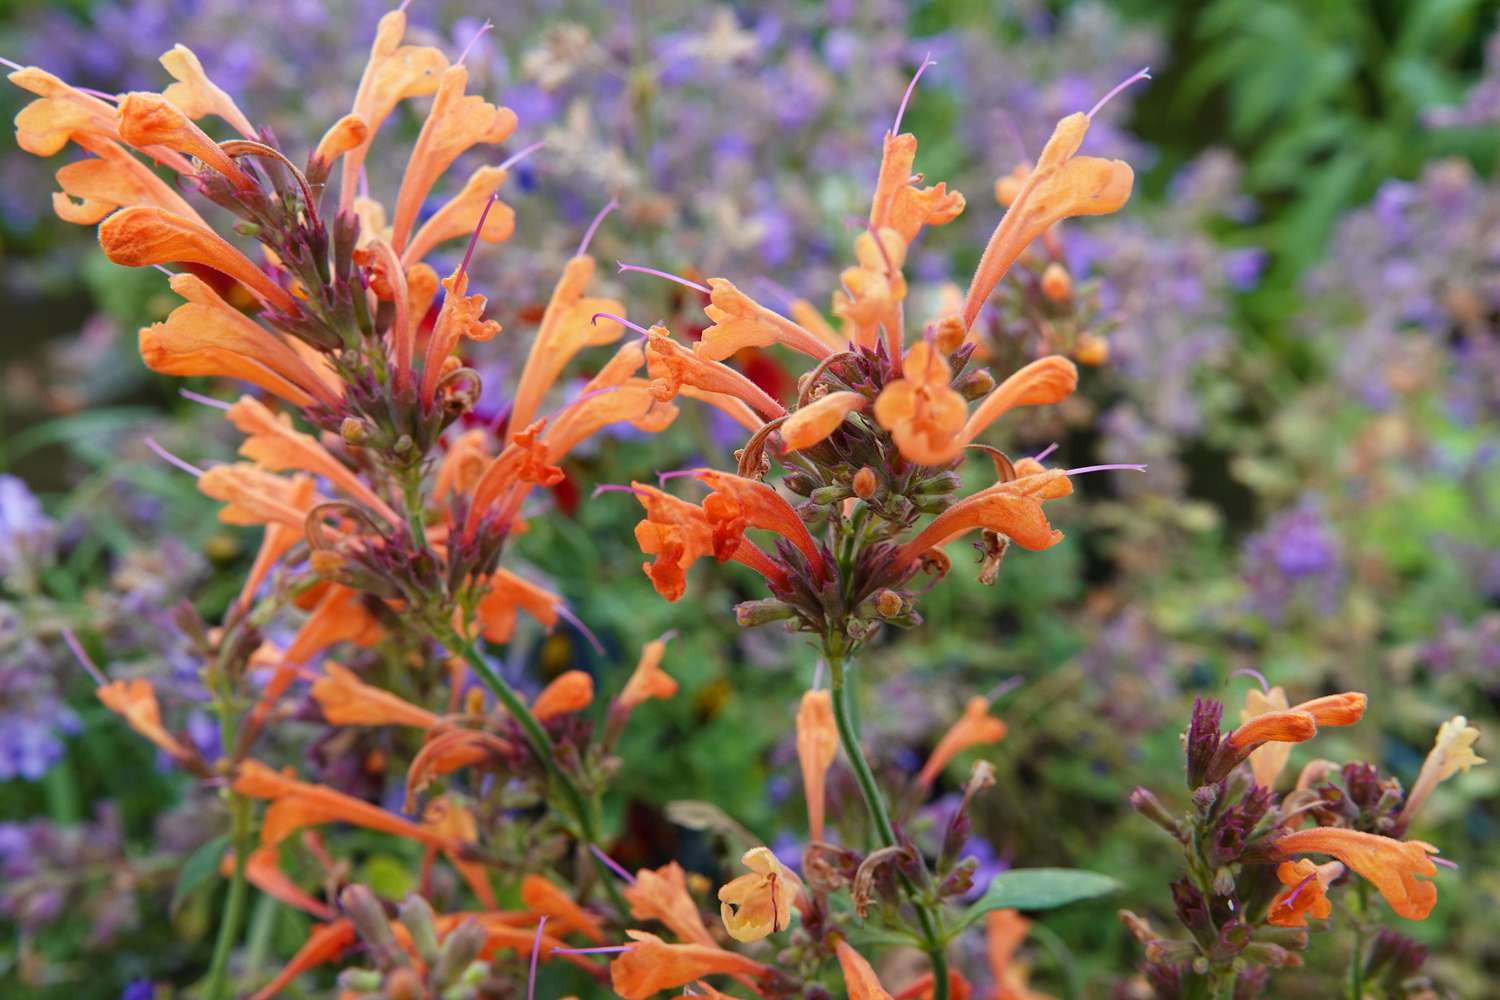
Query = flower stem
x=1357 y=956
x=234 y=904
x=849 y=737
x=541 y=745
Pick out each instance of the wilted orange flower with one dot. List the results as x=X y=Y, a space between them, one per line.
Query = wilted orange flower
x=817 y=746
x=976 y=728
x=1306 y=894
x=648 y=680
x=662 y=895
x=1392 y=866
x=652 y=965
x=135 y=701
x=759 y=903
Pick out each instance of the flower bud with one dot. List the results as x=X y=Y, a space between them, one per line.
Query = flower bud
x=829 y=494
x=751 y=613
x=888 y=603
x=975 y=385
x=1149 y=806
x=948 y=334
x=416 y=916
x=1091 y=350
x=460 y=949
x=799 y=482
x=404 y=984
x=354 y=431
x=1057 y=285
x=865 y=483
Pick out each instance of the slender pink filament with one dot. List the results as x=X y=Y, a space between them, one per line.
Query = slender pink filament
x=588 y=234
x=608 y=949
x=1142 y=74
x=1104 y=468
x=474 y=240
x=83 y=657
x=198 y=397
x=1256 y=674
x=167 y=456
x=483 y=28
x=910 y=88
x=536 y=953
x=665 y=274
x=568 y=616
x=518 y=157
x=594 y=321
x=1042 y=455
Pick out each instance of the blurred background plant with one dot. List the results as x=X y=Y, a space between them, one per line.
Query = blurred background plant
x=1299 y=311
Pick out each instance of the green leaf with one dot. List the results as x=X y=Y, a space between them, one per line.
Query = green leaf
x=1039 y=889
x=201 y=865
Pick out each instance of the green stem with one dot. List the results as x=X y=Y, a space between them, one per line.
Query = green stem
x=234 y=904
x=1357 y=957
x=849 y=737
x=541 y=745
x=411 y=491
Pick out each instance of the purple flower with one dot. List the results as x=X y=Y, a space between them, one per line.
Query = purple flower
x=1294 y=561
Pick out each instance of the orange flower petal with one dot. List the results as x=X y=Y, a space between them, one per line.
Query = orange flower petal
x=348 y=701
x=662 y=895
x=1392 y=866
x=652 y=965
x=326 y=943
x=461 y=214
x=648 y=680
x=197 y=95
x=738 y=321
x=1292 y=726
x=820 y=418
x=135 y=701
x=1043 y=382
x=860 y=980
x=541 y=896
x=1014 y=509
x=147 y=119
x=349 y=132
x=672 y=366
x=572 y=691
x=505 y=593
x=817 y=747
x=975 y=728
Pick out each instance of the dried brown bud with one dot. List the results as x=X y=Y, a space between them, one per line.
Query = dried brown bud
x=888 y=603
x=865 y=483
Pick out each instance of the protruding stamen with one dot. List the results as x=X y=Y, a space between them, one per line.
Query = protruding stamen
x=817 y=681
x=83 y=657
x=662 y=477
x=665 y=274
x=1142 y=74
x=566 y=614
x=1041 y=456
x=167 y=456
x=927 y=61
x=1265 y=686
x=1446 y=863
x=1004 y=688
x=165 y=270
x=536 y=954
x=588 y=234
x=1104 y=468
x=198 y=397
x=607 y=949
x=776 y=288
x=483 y=28
x=1014 y=132
x=474 y=240
x=615 y=488
x=1297 y=891
x=518 y=157
x=8 y=64
x=594 y=321
x=610 y=862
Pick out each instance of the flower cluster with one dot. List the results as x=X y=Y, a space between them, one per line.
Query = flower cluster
x=1249 y=889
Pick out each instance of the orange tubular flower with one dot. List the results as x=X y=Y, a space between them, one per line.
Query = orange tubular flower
x=652 y=965
x=135 y=701
x=1275 y=727
x=567 y=328
x=455 y=123
x=1004 y=932
x=326 y=943
x=1452 y=751
x=394 y=73
x=208 y=336
x=672 y=366
x=462 y=317
x=272 y=442
x=542 y=897
x=143 y=235
x=817 y=420
x=756 y=505
x=901 y=205
x=871 y=293
x=296 y=804
x=572 y=691
x=678 y=533
x=662 y=895
x=1267 y=762
x=278 y=540
x=1062 y=186
x=817 y=746
x=254 y=496
x=760 y=902
x=975 y=728
x=860 y=981
x=922 y=410
x=450 y=820
x=147 y=119
x=505 y=594
x=648 y=680
x=1336 y=709
x=959 y=988
x=1392 y=866
x=197 y=95
x=111 y=179
x=262 y=870
x=343 y=135
x=1306 y=894
x=1013 y=508
x=461 y=215
x=738 y=321
x=446 y=753
x=347 y=701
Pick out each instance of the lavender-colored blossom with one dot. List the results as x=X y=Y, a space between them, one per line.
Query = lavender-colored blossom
x=1294 y=562
x=26 y=533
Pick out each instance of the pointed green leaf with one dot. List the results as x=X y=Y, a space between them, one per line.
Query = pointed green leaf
x=1039 y=889
x=201 y=865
